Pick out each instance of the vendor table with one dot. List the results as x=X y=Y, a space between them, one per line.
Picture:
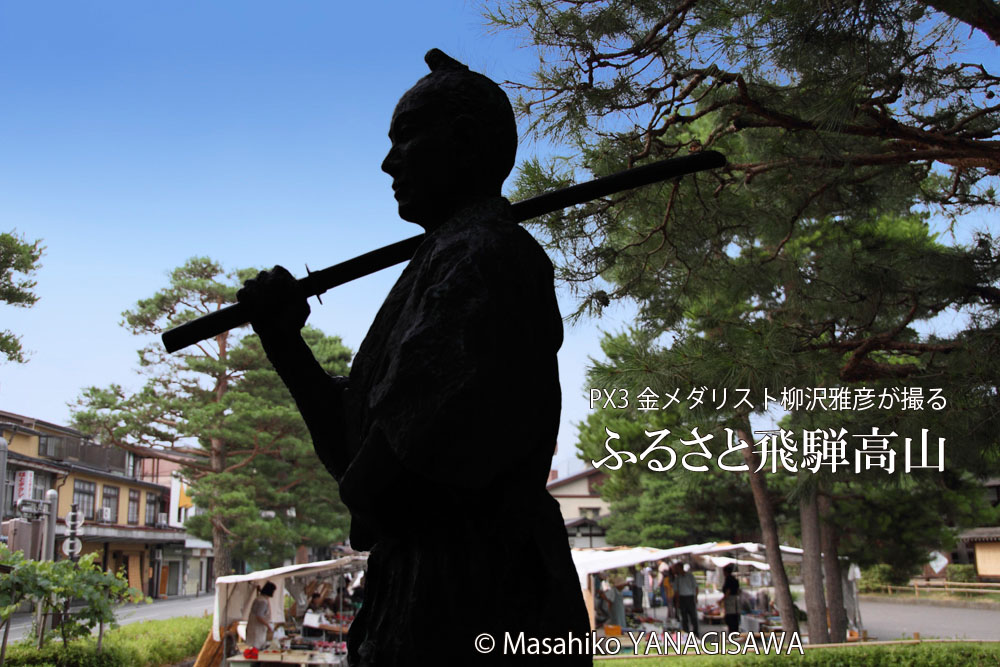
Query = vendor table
x=713 y=618
x=290 y=657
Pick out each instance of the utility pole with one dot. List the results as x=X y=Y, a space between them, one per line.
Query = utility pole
x=3 y=478
x=49 y=511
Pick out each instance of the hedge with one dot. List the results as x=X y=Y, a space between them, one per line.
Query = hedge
x=961 y=573
x=143 y=644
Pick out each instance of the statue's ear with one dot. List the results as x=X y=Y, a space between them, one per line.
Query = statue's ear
x=466 y=130
x=469 y=146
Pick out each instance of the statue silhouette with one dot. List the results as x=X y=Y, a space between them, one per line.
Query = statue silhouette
x=442 y=437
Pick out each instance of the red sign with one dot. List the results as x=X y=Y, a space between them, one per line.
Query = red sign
x=24 y=481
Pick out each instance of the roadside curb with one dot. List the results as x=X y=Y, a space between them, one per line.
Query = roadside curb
x=959 y=604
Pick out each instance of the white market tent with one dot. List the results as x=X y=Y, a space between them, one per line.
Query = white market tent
x=591 y=561
x=234 y=593
x=719 y=562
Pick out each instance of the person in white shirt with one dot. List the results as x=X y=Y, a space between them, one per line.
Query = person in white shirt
x=686 y=589
x=259 y=622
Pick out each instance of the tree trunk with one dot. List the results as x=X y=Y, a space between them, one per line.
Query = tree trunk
x=223 y=563
x=812 y=567
x=769 y=529
x=829 y=539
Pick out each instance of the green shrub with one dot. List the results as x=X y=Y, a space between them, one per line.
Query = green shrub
x=961 y=573
x=874 y=579
x=148 y=643
x=162 y=642
x=80 y=653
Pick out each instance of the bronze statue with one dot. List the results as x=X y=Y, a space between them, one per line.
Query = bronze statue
x=442 y=437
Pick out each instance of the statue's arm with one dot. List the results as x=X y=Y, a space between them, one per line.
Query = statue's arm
x=278 y=313
x=319 y=397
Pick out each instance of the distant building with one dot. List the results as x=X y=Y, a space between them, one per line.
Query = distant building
x=126 y=515
x=985 y=543
x=194 y=557
x=582 y=507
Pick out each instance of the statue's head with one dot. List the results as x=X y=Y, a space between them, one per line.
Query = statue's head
x=453 y=142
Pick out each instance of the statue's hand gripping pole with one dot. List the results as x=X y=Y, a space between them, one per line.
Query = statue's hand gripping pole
x=318 y=282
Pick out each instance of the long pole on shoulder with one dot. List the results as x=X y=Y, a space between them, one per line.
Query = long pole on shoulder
x=318 y=282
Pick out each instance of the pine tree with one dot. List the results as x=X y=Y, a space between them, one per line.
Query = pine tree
x=17 y=256
x=808 y=261
x=221 y=412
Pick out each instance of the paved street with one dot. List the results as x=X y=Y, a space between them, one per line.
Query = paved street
x=887 y=621
x=191 y=606
x=892 y=621
x=882 y=620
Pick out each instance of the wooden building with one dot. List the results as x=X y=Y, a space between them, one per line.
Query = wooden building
x=125 y=516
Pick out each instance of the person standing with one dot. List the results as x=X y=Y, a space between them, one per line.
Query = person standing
x=731 y=599
x=667 y=590
x=636 y=590
x=259 y=626
x=616 y=601
x=649 y=583
x=686 y=589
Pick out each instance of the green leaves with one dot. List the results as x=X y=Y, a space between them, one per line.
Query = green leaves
x=223 y=414
x=18 y=263
x=55 y=584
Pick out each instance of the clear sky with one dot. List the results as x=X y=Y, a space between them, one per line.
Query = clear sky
x=136 y=135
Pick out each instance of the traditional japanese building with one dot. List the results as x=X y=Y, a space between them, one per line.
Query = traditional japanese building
x=582 y=507
x=125 y=515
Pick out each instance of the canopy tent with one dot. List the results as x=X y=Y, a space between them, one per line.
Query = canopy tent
x=591 y=561
x=753 y=549
x=719 y=562
x=234 y=593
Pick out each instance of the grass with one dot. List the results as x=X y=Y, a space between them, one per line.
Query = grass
x=899 y=655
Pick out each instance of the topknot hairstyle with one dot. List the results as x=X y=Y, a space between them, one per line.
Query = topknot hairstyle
x=464 y=92
x=438 y=60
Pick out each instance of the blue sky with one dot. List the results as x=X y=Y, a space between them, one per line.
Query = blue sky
x=137 y=135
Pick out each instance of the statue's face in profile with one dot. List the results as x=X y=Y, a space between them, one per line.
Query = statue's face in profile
x=429 y=167
x=437 y=157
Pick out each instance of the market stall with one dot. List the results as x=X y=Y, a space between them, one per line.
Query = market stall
x=708 y=555
x=306 y=636
x=750 y=565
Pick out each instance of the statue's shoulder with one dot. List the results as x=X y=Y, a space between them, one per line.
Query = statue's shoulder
x=488 y=233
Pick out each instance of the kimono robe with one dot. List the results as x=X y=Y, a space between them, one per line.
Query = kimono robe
x=451 y=410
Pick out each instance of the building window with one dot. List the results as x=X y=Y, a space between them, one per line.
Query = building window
x=84 y=494
x=132 y=464
x=152 y=507
x=109 y=501
x=51 y=446
x=133 y=507
x=43 y=482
